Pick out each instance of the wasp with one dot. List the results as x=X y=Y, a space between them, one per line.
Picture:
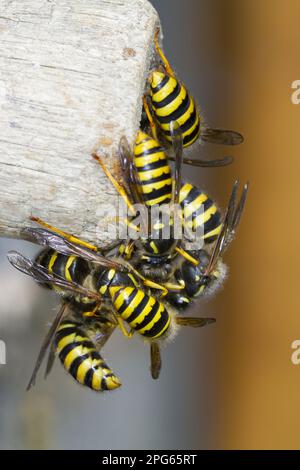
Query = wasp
x=98 y=294
x=193 y=273
x=148 y=175
x=205 y=278
x=169 y=100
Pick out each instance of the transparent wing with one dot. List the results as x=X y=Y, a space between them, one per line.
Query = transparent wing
x=218 y=162
x=50 y=360
x=221 y=136
x=177 y=146
x=128 y=169
x=230 y=223
x=62 y=245
x=47 y=341
x=155 y=357
x=103 y=328
x=42 y=275
x=194 y=322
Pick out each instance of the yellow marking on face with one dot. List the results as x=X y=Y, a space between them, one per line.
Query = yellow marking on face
x=67 y=267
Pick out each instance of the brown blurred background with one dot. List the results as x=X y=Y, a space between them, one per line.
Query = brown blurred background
x=243 y=58
x=232 y=385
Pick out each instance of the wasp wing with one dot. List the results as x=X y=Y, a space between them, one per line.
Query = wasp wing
x=223 y=161
x=42 y=275
x=230 y=223
x=155 y=358
x=62 y=245
x=103 y=328
x=128 y=169
x=177 y=146
x=47 y=341
x=221 y=136
x=194 y=322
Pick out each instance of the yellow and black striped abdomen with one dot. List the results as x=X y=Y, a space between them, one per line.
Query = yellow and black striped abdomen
x=143 y=313
x=70 y=268
x=153 y=169
x=172 y=102
x=81 y=359
x=200 y=212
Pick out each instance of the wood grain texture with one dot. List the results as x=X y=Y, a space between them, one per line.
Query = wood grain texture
x=72 y=75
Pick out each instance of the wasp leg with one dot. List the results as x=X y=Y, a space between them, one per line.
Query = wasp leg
x=176 y=287
x=66 y=235
x=152 y=123
x=120 y=322
x=159 y=51
x=155 y=357
x=185 y=255
x=118 y=186
x=195 y=322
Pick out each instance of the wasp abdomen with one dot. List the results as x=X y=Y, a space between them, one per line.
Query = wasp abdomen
x=81 y=359
x=200 y=212
x=142 y=312
x=153 y=170
x=172 y=102
x=71 y=268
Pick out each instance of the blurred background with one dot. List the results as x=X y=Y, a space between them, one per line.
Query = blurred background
x=232 y=384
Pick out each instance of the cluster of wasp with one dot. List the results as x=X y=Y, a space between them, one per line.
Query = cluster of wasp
x=142 y=285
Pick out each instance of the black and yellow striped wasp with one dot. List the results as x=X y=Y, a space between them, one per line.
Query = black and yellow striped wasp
x=168 y=100
x=148 y=176
x=204 y=279
x=186 y=274
x=98 y=294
